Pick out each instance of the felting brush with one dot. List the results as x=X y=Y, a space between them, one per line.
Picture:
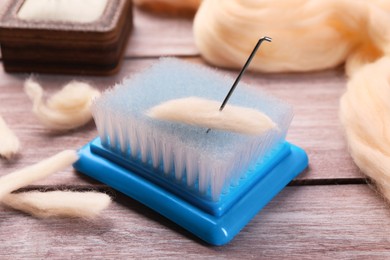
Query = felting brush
x=211 y=184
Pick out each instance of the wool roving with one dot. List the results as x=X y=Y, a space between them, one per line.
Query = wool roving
x=365 y=114
x=67 y=109
x=85 y=11
x=50 y=204
x=203 y=112
x=59 y=203
x=9 y=142
x=38 y=171
x=307 y=35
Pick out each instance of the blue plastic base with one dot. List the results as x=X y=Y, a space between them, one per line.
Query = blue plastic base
x=192 y=195
x=216 y=230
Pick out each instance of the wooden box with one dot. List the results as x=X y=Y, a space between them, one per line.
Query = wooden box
x=66 y=47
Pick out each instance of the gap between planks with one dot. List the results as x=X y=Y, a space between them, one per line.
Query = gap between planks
x=110 y=191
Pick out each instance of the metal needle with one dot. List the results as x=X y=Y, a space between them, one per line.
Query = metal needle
x=242 y=72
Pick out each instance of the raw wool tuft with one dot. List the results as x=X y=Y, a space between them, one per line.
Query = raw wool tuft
x=67 y=109
x=50 y=204
x=205 y=113
x=9 y=142
x=313 y=35
x=59 y=203
x=85 y=11
x=38 y=171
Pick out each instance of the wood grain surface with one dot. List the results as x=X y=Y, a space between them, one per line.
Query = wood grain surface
x=312 y=218
x=158 y=35
x=307 y=222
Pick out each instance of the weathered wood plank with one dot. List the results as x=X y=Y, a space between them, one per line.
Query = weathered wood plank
x=155 y=36
x=307 y=222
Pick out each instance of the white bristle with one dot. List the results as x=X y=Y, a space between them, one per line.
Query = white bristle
x=132 y=141
x=167 y=158
x=208 y=163
x=191 y=168
x=204 y=178
x=179 y=163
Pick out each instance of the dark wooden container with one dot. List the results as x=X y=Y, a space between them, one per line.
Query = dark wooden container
x=66 y=47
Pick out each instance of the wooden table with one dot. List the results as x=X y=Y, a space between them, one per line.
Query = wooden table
x=328 y=212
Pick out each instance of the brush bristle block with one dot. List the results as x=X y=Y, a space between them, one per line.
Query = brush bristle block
x=209 y=164
x=216 y=230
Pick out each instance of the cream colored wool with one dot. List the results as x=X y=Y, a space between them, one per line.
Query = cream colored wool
x=312 y=35
x=9 y=142
x=205 y=113
x=365 y=114
x=67 y=109
x=38 y=171
x=50 y=204
x=59 y=203
x=306 y=34
x=78 y=11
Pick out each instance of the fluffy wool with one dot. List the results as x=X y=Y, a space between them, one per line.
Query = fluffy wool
x=50 y=204
x=38 y=171
x=67 y=109
x=203 y=112
x=85 y=11
x=307 y=35
x=365 y=115
x=58 y=203
x=9 y=142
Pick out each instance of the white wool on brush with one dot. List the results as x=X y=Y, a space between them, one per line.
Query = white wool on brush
x=58 y=203
x=9 y=142
x=84 y=11
x=67 y=109
x=310 y=35
x=206 y=163
x=205 y=113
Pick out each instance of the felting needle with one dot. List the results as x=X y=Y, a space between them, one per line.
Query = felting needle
x=248 y=61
